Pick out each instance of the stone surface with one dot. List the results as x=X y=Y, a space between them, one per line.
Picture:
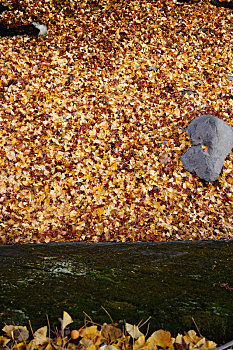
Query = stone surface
x=212 y=141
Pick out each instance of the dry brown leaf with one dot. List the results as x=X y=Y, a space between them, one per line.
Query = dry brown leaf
x=18 y=333
x=110 y=332
x=164 y=158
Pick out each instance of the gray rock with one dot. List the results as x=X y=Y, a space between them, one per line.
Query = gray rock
x=153 y=68
x=188 y=92
x=212 y=141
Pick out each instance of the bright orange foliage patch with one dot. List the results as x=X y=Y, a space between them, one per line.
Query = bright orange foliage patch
x=93 y=117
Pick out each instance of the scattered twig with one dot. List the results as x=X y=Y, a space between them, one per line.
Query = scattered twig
x=197 y=327
x=141 y=325
x=107 y=313
x=48 y=326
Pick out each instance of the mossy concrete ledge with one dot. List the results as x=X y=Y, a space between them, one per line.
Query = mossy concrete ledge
x=173 y=282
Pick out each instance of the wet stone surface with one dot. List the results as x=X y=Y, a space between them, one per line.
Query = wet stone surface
x=171 y=282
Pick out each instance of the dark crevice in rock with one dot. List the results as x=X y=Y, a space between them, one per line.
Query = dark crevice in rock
x=32 y=29
x=29 y=29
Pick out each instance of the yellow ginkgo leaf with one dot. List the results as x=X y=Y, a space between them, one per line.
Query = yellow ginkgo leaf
x=133 y=331
x=161 y=338
x=66 y=319
x=138 y=344
x=40 y=338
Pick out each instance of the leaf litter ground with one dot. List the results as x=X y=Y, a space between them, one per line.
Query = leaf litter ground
x=96 y=337
x=93 y=120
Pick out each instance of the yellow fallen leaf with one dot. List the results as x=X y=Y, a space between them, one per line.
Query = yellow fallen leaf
x=191 y=337
x=4 y=341
x=133 y=331
x=91 y=347
x=49 y=347
x=204 y=344
x=59 y=341
x=161 y=338
x=139 y=343
x=89 y=331
x=40 y=338
x=66 y=319
x=46 y=188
